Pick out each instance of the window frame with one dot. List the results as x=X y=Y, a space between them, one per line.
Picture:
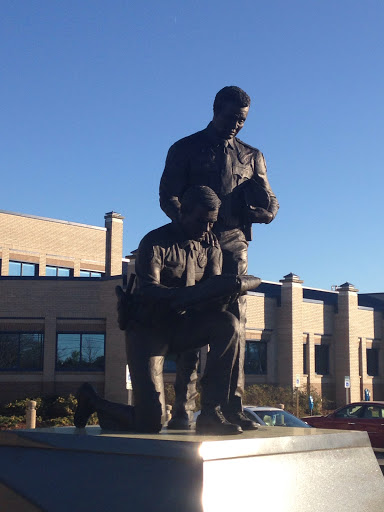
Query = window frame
x=322 y=347
x=372 y=358
x=90 y=272
x=23 y=263
x=263 y=364
x=79 y=368
x=18 y=367
x=70 y=271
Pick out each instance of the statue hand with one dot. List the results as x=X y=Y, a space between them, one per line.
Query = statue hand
x=211 y=239
x=248 y=283
x=259 y=215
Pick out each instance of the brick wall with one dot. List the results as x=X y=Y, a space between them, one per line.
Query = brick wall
x=51 y=242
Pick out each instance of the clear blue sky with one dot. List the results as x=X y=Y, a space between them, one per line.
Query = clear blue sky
x=94 y=92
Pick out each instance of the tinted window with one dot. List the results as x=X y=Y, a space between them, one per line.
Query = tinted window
x=170 y=363
x=373 y=412
x=80 y=351
x=322 y=359
x=20 y=268
x=255 y=358
x=21 y=351
x=372 y=361
x=352 y=411
x=87 y=273
x=57 y=271
x=280 y=419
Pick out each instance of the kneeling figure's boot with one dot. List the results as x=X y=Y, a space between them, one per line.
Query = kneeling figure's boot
x=179 y=421
x=86 y=404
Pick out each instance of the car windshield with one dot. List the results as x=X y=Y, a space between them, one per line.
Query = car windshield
x=280 y=419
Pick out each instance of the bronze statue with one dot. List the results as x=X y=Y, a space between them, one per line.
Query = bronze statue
x=237 y=172
x=179 y=303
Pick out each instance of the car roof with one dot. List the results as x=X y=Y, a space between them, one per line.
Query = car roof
x=376 y=402
x=262 y=408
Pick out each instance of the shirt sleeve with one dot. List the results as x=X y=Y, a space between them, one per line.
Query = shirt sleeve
x=148 y=267
x=260 y=174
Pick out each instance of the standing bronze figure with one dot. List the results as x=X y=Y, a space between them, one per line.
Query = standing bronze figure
x=237 y=172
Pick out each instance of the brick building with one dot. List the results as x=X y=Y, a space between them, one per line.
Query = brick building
x=58 y=306
x=317 y=335
x=58 y=319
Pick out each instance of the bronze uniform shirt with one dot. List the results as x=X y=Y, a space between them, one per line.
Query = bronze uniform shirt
x=200 y=159
x=162 y=265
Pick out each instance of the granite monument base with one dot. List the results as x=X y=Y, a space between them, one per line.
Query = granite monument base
x=274 y=468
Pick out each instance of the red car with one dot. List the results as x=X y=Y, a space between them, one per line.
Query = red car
x=367 y=416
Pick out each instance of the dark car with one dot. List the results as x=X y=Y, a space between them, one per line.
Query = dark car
x=367 y=416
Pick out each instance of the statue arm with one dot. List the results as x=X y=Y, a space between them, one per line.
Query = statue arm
x=149 y=265
x=260 y=174
x=173 y=181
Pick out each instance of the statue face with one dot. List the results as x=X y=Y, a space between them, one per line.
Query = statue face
x=198 y=222
x=229 y=120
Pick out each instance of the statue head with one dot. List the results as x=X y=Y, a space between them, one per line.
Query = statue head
x=230 y=110
x=199 y=210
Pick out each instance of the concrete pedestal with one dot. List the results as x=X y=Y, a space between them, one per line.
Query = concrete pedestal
x=273 y=468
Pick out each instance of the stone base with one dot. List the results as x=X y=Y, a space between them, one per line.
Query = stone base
x=274 y=468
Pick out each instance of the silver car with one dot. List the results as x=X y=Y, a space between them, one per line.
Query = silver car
x=274 y=417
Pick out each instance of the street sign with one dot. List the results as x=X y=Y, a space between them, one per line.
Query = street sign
x=297 y=381
x=347 y=382
x=128 y=382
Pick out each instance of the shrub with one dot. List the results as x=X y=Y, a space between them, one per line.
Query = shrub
x=11 y=422
x=267 y=394
x=51 y=411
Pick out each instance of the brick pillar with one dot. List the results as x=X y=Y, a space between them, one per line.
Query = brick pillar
x=76 y=267
x=5 y=261
x=113 y=244
x=42 y=264
x=347 y=344
x=49 y=355
x=290 y=331
x=115 y=355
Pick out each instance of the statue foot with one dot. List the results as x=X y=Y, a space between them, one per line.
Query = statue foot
x=179 y=422
x=213 y=422
x=241 y=419
x=86 y=397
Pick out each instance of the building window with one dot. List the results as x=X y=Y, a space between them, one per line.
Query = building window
x=80 y=351
x=373 y=361
x=21 y=351
x=322 y=359
x=255 y=357
x=57 y=271
x=170 y=363
x=20 y=268
x=88 y=273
